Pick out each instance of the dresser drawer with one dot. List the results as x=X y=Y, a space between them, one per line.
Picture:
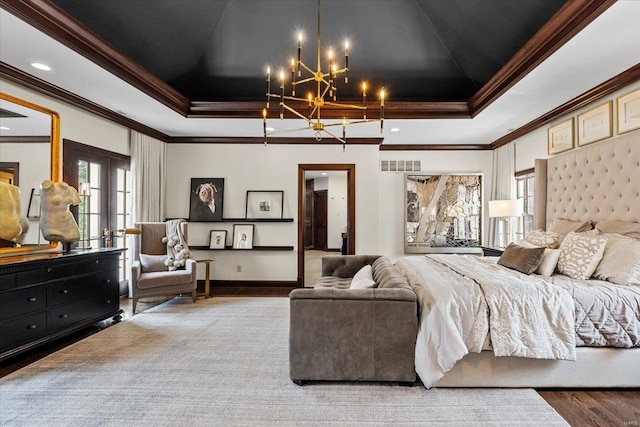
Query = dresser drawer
x=22 y=330
x=7 y=281
x=43 y=274
x=64 y=316
x=93 y=266
x=23 y=301
x=65 y=291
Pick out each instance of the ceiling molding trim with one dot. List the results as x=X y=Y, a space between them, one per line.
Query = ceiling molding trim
x=53 y=21
x=572 y=18
x=615 y=83
x=435 y=147
x=25 y=139
x=392 y=110
x=23 y=79
x=270 y=141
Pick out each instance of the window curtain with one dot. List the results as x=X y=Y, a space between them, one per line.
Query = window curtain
x=502 y=185
x=148 y=166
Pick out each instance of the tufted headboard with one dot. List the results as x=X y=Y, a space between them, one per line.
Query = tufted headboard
x=597 y=182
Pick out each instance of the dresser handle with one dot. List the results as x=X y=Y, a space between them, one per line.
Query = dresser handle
x=107 y=301
x=97 y=261
x=64 y=291
x=31 y=327
x=49 y=269
x=107 y=280
x=32 y=299
x=63 y=316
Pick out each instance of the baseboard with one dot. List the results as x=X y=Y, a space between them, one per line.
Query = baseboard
x=250 y=283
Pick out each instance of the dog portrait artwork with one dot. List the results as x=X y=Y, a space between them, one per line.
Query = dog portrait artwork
x=206 y=199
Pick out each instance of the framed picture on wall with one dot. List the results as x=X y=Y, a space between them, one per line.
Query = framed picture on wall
x=560 y=137
x=217 y=239
x=206 y=197
x=243 y=236
x=264 y=205
x=629 y=111
x=595 y=124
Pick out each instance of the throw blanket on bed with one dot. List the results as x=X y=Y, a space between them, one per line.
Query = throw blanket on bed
x=461 y=296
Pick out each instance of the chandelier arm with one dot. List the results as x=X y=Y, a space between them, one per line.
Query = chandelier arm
x=307 y=80
x=296 y=113
x=334 y=136
x=307 y=68
x=357 y=122
x=335 y=104
x=277 y=132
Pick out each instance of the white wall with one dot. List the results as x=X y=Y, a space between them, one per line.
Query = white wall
x=336 y=209
x=534 y=144
x=275 y=167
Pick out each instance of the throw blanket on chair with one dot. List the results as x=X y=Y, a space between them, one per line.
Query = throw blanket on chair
x=177 y=248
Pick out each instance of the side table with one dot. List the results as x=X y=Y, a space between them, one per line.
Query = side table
x=207 y=271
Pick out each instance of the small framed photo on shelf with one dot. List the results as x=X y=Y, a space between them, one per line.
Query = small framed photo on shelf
x=595 y=124
x=629 y=111
x=264 y=204
x=560 y=137
x=217 y=239
x=243 y=236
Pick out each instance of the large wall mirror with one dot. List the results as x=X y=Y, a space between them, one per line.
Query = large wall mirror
x=29 y=154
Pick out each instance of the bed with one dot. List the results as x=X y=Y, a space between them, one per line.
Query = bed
x=485 y=325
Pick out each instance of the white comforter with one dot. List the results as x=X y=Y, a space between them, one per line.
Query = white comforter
x=463 y=298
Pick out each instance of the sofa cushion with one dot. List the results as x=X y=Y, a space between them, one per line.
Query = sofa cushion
x=163 y=278
x=345 y=265
x=333 y=282
x=363 y=279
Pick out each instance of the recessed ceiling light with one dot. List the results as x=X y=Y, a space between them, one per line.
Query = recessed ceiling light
x=270 y=129
x=395 y=129
x=40 y=66
x=4 y=128
x=324 y=174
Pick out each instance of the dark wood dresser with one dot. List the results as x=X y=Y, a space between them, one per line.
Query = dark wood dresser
x=46 y=296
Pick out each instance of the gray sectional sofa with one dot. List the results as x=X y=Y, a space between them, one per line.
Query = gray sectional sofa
x=342 y=334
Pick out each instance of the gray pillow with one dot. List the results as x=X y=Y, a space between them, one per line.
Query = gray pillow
x=566 y=226
x=524 y=260
x=152 y=263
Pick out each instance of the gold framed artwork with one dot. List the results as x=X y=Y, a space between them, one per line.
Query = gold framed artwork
x=595 y=124
x=628 y=111
x=560 y=137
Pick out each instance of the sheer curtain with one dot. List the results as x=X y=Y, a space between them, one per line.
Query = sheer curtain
x=502 y=185
x=148 y=165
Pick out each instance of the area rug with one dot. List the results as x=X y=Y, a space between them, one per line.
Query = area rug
x=224 y=361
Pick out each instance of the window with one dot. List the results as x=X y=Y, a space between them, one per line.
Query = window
x=107 y=206
x=525 y=190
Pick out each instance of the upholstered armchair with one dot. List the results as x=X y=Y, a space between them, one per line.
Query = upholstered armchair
x=149 y=276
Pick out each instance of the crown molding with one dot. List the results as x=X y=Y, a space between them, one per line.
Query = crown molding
x=270 y=140
x=434 y=147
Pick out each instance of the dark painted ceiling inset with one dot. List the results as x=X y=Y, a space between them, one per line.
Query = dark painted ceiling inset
x=218 y=50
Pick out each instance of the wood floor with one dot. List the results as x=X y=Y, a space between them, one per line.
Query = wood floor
x=618 y=407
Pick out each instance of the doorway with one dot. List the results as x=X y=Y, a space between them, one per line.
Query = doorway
x=326 y=212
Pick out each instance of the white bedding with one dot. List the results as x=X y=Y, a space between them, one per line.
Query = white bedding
x=463 y=298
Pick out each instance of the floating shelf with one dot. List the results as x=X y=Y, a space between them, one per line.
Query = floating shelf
x=255 y=248
x=243 y=220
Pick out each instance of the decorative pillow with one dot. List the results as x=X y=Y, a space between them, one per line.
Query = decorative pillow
x=524 y=260
x=621 y=260
x=549 y=262
x=626 y=228
x=580 y=255
x=566 y=226
x=152 y=263
x=363 y=279
x=545 y=239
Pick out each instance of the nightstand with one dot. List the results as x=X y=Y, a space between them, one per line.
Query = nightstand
x=492 y=251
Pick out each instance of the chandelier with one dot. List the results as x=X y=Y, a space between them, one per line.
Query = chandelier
x=322 y=91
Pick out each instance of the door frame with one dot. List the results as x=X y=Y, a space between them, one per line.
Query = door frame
x=351 y=208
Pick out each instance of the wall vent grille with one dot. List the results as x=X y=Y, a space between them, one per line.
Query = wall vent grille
x=400 y=166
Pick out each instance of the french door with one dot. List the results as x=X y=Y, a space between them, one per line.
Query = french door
x=105 y=206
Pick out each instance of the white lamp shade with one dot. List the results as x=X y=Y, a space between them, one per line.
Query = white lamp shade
x=506 y=208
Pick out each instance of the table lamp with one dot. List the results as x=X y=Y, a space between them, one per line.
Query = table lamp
x=505 y=209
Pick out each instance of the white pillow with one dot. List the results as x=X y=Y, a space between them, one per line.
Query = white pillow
x=363 y=279
x=546 y=239
x=549 y=262
x=621 y=260
x=580 y=255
